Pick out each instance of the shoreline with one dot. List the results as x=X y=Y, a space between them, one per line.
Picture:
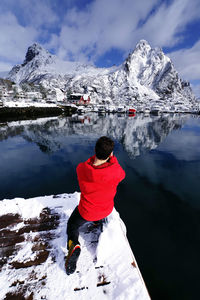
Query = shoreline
x=27 y=112
x=33 y=112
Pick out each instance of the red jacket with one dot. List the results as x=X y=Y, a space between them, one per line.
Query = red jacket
x=98 y=185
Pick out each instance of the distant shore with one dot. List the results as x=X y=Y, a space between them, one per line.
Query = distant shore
x=34 y=112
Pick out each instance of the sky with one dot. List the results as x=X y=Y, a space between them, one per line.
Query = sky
x=102 y=32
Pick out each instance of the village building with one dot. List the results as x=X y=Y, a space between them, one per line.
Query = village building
x=79 y=99
x=55 y=95
x=33 y=95
x=22 y=95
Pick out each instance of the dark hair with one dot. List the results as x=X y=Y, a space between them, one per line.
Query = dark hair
x=104 y=147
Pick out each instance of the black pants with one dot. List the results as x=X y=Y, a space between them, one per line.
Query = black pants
x=75 y=222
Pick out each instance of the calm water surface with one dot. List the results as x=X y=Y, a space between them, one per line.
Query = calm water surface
x=158 y=200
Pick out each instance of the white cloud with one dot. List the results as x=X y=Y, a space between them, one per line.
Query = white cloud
x=165 y=26
x=32 y=13
x=14 y=38
x=196 y=89
x=104 y=25
x=187 y=62
x=5 y=66
x=38 y=14
x=20 y=26
x=101 y=26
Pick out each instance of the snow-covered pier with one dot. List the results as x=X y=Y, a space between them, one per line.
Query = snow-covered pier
x=33 y=239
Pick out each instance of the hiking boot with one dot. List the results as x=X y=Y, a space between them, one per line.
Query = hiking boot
x=72 y=257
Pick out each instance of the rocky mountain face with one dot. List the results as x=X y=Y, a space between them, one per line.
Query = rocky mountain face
x=146 y=75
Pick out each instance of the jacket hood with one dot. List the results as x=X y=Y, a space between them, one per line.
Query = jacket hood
x=97 y=173
x=110 y=162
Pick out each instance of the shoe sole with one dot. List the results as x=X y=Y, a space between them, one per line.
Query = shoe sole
x=70 y=265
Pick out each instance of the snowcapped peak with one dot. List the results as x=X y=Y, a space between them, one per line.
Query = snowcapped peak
x=139 y=55
x=35 y=50
x=142 y=44
x=36 y=47
x=142 y=48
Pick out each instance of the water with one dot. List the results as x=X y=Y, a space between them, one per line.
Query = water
x=158 y=200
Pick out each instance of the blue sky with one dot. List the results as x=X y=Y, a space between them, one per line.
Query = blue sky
x=102 y=32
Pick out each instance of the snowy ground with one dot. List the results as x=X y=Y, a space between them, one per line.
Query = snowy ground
x=27 y=103
x=33 y=239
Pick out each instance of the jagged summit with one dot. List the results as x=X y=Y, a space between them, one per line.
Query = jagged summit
x=142 y=48
x=144 y=56
x=33 y=51
x=141 y=52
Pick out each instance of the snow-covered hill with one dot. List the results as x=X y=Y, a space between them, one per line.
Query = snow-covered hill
x=146 y=76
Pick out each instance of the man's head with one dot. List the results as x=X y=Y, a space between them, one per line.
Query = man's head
x=104 y=147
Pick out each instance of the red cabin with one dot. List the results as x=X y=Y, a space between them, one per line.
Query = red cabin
x=132 y=110
x=81 y=99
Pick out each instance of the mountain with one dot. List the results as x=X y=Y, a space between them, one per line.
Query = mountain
x=146 y=76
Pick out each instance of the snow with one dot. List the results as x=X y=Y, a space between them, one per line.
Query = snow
x=59 y=94
x=26 y=103
x=38 y=121
x=48 y=280
x=145 y=76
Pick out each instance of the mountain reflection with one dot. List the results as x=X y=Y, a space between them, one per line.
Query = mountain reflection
x=137 y=134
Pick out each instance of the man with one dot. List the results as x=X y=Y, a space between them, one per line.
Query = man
x=98 y=178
